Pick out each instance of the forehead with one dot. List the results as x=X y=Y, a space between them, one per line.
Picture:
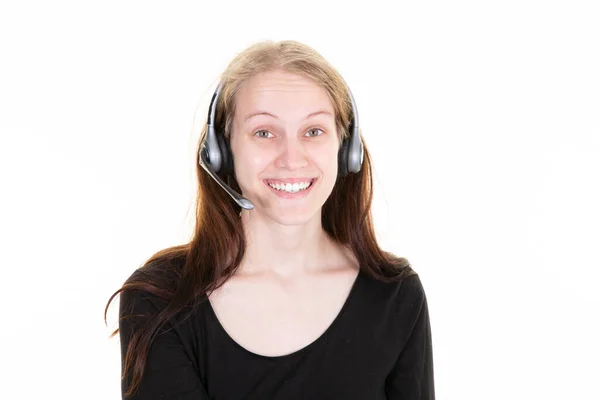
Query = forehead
x=282 y=93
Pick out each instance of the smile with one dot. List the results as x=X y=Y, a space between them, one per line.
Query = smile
x=291 y=190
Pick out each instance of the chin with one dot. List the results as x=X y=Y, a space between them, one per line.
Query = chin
x=293 y=218
x=291 y=214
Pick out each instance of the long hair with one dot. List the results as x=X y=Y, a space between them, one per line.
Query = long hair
x=184 y=274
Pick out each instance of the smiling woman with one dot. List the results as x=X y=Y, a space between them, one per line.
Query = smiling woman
x=283 y=291
x=294 y=142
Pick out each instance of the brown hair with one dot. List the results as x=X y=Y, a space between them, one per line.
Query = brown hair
x=182 y=275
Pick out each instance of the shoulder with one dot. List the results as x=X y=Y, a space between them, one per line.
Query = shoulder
x=399 y=310
x=403 y=298
x=164 y=271
x=410 y=289
x=408 y=286
x=138 y=302
x=149 y=289
x=410 y=298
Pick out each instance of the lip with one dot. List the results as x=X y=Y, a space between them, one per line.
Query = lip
x=298 y=195
x=290 y=180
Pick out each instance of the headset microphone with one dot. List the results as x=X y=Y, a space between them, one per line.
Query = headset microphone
x=242 y=201
x=215 y=152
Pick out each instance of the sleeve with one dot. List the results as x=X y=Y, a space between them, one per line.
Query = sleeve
x=169 y=372
x=411 y=378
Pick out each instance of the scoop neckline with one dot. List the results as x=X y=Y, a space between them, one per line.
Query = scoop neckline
x=302 y=350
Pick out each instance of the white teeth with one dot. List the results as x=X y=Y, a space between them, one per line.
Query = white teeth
x=289 y=187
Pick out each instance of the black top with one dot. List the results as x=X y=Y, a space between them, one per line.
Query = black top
x=378 y=347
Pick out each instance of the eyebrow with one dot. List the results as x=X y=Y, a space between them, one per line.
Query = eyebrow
x=254 y=114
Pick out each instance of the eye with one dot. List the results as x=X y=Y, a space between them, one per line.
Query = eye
x=316 y=129
x=261 y=131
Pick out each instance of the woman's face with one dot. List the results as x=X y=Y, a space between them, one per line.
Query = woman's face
x=284 y=130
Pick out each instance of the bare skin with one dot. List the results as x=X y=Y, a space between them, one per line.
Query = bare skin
x=272 y=316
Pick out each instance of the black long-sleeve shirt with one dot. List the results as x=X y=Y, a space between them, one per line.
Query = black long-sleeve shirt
x=378 y=347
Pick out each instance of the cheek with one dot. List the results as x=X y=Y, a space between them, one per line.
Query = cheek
x=247 y=167
x=328 y=158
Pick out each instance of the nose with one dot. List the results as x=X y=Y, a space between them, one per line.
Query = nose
x=292 y=154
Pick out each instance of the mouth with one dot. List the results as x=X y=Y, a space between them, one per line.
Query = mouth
x=299 y=191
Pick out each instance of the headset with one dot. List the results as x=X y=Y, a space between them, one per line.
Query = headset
x=216 y=155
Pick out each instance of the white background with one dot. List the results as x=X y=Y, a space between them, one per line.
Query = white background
x=482 y=119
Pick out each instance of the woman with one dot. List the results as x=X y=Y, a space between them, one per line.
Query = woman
x=283 y=293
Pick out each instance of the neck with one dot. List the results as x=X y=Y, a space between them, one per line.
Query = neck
x=285 y=250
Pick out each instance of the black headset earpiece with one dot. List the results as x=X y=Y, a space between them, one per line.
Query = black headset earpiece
x=227 y=156
x=343 y=159
x=216 y=156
